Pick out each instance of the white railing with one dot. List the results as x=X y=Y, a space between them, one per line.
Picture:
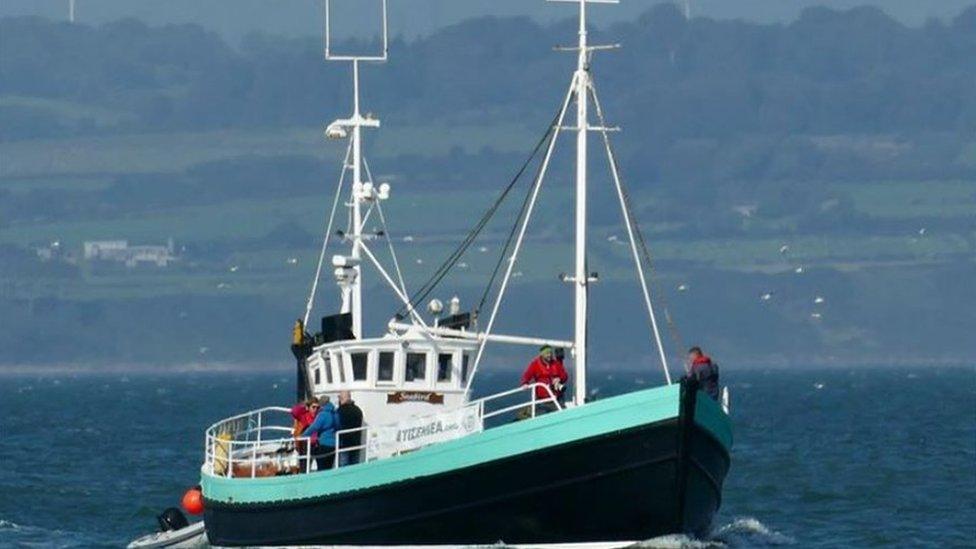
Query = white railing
x=482 y=406
x=261 y=443
x=256 y=444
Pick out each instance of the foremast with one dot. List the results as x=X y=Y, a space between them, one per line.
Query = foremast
x=350 y=276
x=348 y=268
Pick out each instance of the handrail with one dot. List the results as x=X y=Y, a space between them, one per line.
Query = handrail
x=250 y=413
x=254 y=444
x=479 y=404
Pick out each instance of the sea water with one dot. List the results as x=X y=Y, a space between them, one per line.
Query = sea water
x=841 y=457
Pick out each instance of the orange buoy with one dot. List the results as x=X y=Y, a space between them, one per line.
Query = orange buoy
x=193 y=501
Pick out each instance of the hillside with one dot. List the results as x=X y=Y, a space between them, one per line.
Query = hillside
x=845 y=137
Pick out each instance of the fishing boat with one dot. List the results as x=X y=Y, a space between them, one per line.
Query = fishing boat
x=431 y=465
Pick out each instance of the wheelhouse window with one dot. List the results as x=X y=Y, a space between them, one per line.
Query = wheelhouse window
x=318 y=375
x=359 y=364
x=385 y=370
x=416 y=367
x=464 y=367
x=445 y=363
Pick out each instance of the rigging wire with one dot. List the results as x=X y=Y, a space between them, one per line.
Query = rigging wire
x=645 y=250
x=421 y=293
x=328 y=235
x=508 y=243
x=389 y=243
x=386 y=231
x=652 y=272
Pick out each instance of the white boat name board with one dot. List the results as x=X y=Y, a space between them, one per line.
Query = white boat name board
x=413 y=433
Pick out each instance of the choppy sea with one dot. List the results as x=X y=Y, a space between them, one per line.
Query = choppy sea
x=859 y=457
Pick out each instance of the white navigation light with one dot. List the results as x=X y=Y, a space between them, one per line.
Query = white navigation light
x=455 y=305
x=344 y=261
x=384 y=191
x=335 y=131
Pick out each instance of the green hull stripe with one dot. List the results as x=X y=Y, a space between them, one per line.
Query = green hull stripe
x=709 y=415
x=594 y=419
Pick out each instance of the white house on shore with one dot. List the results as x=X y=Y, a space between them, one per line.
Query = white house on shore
x=119 y=251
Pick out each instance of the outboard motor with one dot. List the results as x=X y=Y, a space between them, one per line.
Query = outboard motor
x=172 y=519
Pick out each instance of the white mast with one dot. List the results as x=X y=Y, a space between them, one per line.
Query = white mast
x=581 y=278
x=349 y=272
x=354 y=303
x=71 y=11
x=581 y=88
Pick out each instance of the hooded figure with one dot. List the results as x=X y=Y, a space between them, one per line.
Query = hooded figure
x=323 y=433
x=703 y=370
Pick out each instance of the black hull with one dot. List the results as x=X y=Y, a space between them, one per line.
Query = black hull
x=648 y=481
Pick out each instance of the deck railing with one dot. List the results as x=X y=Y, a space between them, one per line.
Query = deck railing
x=482 y=407
x=261 y=442
x=256 y=444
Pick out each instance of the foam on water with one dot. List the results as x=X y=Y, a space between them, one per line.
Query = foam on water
x=748 y=531
x=13 y=534
x=741 y=532
x=677 y=541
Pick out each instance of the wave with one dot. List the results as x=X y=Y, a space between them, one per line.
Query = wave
x=18 y=535
x=741 y=532
x=678 y=541
x=749 y=531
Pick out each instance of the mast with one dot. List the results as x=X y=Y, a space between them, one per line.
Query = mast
x=582 y=89
x=581 y=278
x=354 y=303
x=349 y=271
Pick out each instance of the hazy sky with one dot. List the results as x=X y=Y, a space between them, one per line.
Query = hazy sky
x=234 y=18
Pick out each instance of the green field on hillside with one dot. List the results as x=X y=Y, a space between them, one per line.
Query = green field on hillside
x=167 y=152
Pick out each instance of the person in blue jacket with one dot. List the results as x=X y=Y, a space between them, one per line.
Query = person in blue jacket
x=322 y=432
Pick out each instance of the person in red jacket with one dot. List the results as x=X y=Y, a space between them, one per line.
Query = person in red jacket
x=702 y=369
x=304 y=415
x=547 y=369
